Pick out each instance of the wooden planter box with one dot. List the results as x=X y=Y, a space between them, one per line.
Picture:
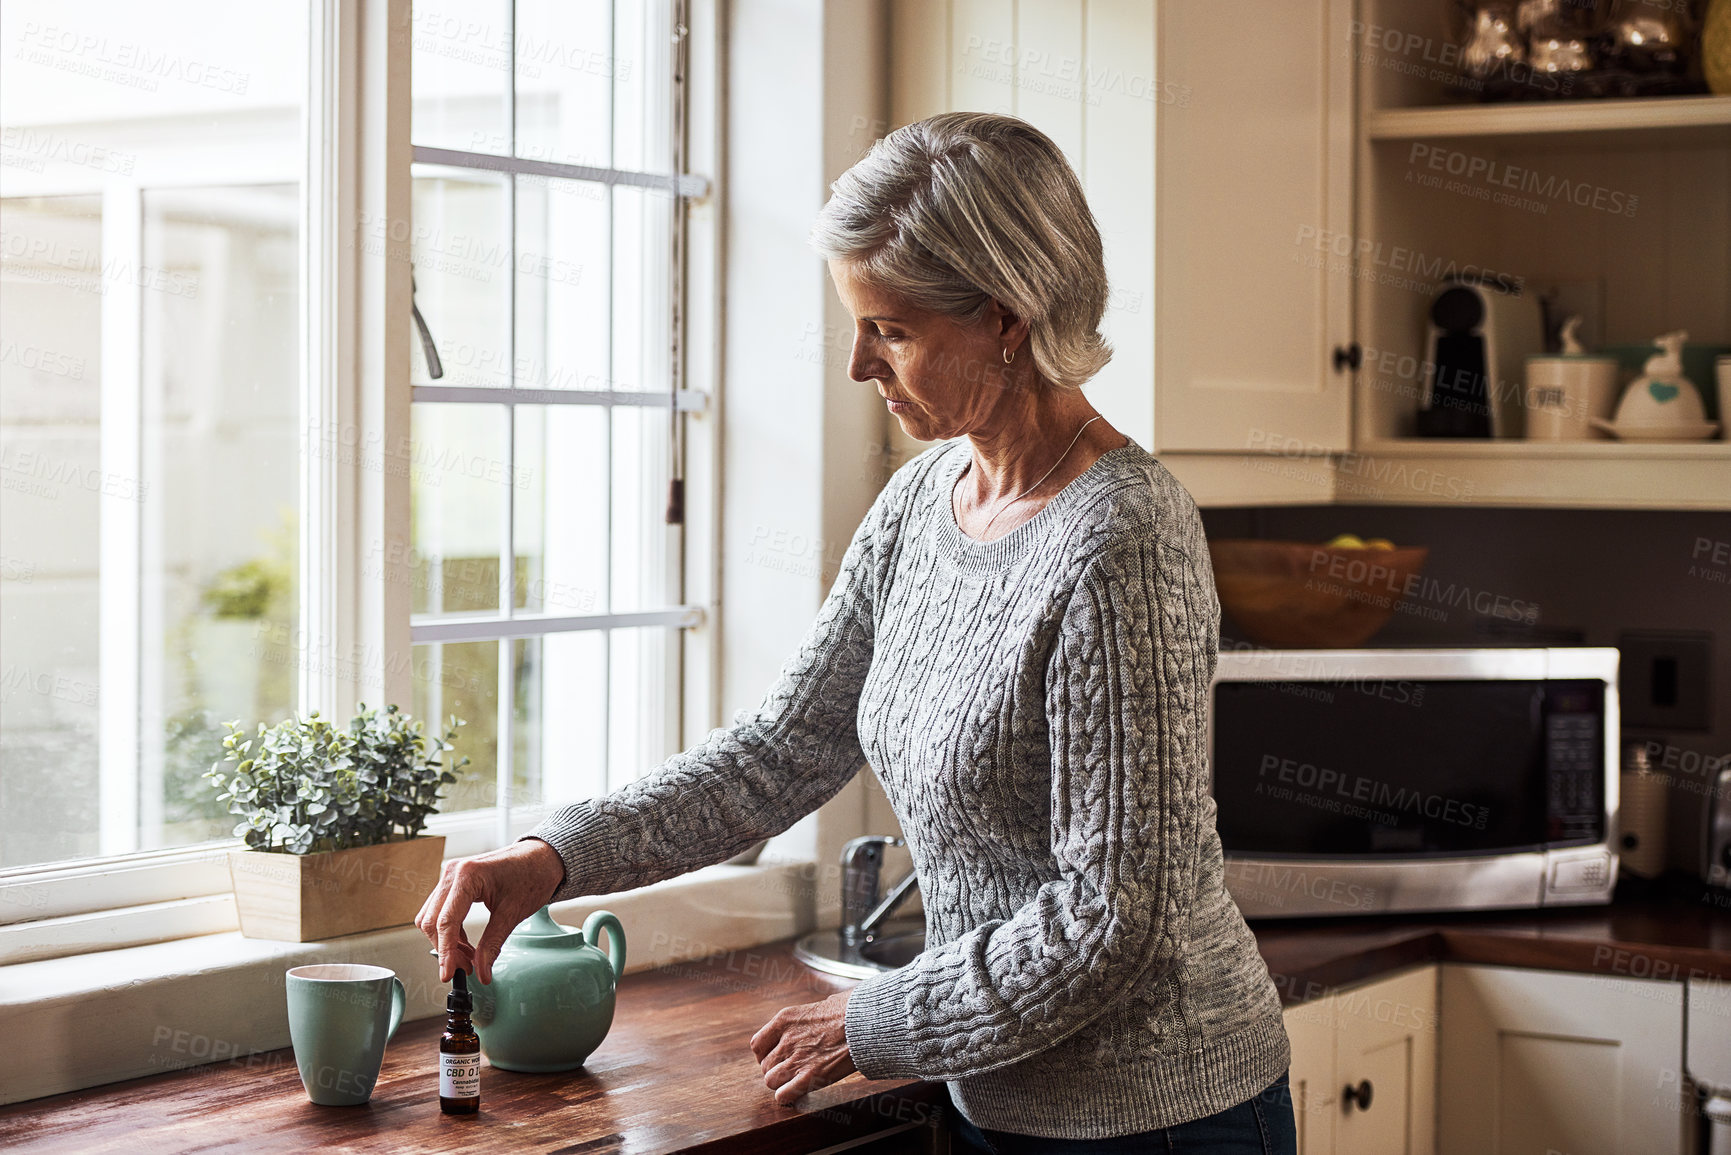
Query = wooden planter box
x=311 y=897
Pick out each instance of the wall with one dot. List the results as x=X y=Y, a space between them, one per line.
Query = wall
x=802 y=444
x=1083 y=73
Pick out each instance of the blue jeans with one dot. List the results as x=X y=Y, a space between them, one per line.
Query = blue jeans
x=1261 y=1125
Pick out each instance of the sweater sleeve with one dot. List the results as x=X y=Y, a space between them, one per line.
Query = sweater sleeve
x=740 y=785
x=1126 y=700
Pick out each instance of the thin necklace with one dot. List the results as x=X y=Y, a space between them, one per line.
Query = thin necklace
x=1037 y=484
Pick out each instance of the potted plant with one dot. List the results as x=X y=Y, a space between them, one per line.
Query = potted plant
x=332 y=820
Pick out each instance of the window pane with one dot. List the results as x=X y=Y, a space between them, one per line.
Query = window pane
x=642 y=288
x=462 y=679
x=87 y=75
x=643 y=92
x=561 y=719
x=177 y=128
x=565 y=78
x=462 y=69
x=640 y=697
x=563 y=285
x=221 y=451
x=561 y=511
x=458 y=491
x=579 y=491
x=50 y=397
x=591 y=712
x=461 y=252
x=642 y=542
x=527 y=732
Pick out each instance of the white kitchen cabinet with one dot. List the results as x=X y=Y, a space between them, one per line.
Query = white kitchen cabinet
x=1538 y=1061
x=1385 y=1056
x=1363 y=1069
x=1294 y=181
x=1254 y=173
x=1241 y=336
x=1310 y=1027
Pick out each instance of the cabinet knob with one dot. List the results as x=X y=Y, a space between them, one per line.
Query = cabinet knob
x=1347 y=357
x=1359 y=1094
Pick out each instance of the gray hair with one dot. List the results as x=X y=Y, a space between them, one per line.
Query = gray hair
x=965 y=208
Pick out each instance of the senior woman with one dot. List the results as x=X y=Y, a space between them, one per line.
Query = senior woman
x=1020 y=643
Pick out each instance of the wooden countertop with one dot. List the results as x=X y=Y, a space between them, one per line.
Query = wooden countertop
x=676 y=1073
x=1645 y=934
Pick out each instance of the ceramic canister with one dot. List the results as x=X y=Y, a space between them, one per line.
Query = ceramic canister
x=1564 y=392
x=1641 y=816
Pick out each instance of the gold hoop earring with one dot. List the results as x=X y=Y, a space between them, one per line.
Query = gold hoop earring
x=1008 y=356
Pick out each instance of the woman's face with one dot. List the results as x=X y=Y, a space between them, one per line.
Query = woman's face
x=939 y=377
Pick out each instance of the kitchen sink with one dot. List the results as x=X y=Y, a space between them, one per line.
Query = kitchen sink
x=891 y=945
x=896 y=950
x=870 y=940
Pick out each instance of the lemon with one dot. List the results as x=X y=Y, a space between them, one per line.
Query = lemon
x=1346 y=541
x=1379 y=543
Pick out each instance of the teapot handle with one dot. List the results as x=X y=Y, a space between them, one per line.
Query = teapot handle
x=592 y=927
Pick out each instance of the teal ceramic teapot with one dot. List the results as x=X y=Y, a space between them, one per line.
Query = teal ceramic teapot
x=551 y=999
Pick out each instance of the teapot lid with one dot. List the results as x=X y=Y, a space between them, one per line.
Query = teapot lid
x=539 y=929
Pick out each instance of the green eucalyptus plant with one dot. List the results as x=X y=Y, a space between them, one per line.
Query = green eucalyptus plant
x=304 y=786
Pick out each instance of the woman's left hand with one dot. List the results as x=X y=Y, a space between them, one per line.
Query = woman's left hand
x=805 y=1047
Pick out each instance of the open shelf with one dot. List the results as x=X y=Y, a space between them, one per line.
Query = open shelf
x=1580 y=474
x=1514 y=448
x=1645 y=253
x=1556 y=474
x=1683 y=119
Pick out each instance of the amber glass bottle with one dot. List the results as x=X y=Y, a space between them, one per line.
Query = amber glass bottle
x=459 y=1054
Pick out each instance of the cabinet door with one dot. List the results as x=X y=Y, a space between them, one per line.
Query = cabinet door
x=1253 y=180
x=1310 y=1027
x=1536 y=1061
x=1385 y=1066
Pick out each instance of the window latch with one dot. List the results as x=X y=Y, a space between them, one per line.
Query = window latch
x=435 y=368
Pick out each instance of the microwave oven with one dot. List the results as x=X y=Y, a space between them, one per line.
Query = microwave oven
x=1393 y=780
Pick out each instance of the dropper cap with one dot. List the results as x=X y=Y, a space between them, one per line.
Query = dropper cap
x=458 y=999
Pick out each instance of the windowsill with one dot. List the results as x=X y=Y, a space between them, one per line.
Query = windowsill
x=118 y=1014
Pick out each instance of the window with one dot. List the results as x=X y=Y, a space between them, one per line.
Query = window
x=151 y=394
x=173 y=515
x=547 y=256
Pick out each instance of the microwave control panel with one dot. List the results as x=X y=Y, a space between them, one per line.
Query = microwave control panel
x=1581 y=872
x=1574 y=770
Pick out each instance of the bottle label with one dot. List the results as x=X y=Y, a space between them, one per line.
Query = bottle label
x=460 y=1075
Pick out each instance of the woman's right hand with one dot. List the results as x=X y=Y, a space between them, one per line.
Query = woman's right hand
x=513 y=881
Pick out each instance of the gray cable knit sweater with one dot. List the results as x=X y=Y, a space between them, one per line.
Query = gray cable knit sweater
x=1035 y=707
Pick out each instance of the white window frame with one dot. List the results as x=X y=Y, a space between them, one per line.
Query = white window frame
x=481 y=829
x=77 y=887
x=355 y=376
x=98 y=896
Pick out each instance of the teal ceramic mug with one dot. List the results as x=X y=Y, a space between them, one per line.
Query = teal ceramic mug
x=341 y=1015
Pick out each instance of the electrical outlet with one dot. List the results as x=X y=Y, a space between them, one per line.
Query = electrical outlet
x=1664 y=679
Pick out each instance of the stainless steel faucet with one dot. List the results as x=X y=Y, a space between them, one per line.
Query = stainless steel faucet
x=863 y=910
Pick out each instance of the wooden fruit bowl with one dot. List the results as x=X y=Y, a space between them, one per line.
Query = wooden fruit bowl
x=1295 y=594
